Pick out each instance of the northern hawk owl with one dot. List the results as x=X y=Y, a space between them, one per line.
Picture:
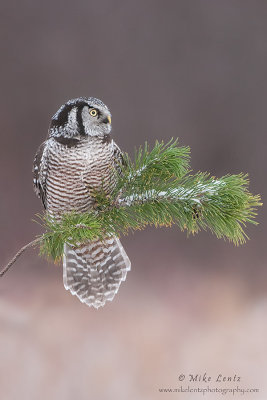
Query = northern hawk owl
x=79 y=157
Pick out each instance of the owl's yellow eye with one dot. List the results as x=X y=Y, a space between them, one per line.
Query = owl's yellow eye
x=93 y=112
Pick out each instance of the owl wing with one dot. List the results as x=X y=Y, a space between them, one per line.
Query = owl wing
x=119 y=158
x=40 y=171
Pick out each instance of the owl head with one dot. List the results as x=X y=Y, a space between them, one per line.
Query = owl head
x=81 y=117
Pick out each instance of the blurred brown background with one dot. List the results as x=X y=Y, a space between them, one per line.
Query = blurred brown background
x=192 y=69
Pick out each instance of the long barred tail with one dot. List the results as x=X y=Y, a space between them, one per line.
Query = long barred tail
x=94 y=271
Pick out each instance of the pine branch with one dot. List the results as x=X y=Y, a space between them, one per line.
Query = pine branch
x=18 y=254
x=156 y=188
x=164 y=162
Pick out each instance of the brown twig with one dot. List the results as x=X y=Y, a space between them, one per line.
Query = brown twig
x=18 y=254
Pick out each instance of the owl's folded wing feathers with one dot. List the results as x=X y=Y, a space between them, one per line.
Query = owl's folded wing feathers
x=119 y=158
x=40 y=172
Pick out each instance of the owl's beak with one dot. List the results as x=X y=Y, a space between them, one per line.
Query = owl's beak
x=109 y=119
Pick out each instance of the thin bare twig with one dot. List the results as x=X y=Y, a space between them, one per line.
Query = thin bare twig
x=18 y=254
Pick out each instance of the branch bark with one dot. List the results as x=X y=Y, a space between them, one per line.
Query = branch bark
x=18 y=254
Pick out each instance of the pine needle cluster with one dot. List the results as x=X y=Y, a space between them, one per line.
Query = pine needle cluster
x=157 y=188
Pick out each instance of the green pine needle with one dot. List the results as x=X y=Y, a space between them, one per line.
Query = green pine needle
x=158 y=189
